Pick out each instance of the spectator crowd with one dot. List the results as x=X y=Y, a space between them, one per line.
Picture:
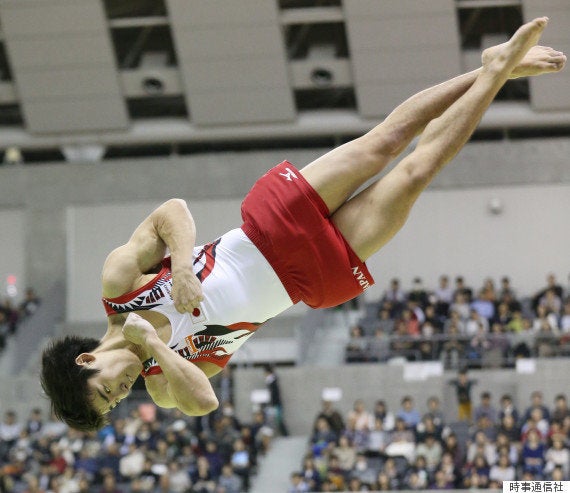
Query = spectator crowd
x=11 y=315
x=149 y=450
x=459 y=326
x=378 y=450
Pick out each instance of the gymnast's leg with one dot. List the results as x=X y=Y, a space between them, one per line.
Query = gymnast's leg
x=371 y=218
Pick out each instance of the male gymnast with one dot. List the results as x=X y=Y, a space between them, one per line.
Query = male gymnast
x=305 y=237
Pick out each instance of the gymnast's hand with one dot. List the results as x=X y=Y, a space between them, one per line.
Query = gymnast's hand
x=138 y=330
x=186 y=289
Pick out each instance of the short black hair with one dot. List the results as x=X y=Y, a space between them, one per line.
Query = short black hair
x=65 y=382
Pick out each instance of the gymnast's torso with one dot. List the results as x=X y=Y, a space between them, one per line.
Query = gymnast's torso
x=241 y=291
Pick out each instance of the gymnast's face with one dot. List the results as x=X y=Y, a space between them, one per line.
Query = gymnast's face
x=116 y=375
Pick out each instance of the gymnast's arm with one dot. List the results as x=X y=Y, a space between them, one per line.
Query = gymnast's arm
x=169 y=226
x=182 y=384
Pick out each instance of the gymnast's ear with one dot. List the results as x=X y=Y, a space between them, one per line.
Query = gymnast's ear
x=85 y=359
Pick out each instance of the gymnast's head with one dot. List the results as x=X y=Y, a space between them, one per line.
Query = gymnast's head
x=66 y=382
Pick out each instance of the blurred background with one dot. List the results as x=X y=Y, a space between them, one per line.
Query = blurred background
x=108 y=108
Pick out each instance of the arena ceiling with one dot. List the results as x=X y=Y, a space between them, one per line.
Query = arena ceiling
x=110 y=78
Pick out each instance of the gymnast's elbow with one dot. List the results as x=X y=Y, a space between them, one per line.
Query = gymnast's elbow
x=201 y=407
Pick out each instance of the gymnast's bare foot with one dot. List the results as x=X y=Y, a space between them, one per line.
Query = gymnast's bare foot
x=505 y=57
x=539 y=60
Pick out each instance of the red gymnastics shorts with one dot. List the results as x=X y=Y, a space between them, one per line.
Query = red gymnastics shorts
x=289 y=223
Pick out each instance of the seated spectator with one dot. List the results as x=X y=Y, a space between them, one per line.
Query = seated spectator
x=322 y=437
x=401 y=344
x=506 y=289
x=484 y=304
x=378 y=438
x=427 y=427
x=544 y=320
x=536 y=400
x=410 y=324
x=456 y=450
x=450 y=470
x=110 y=485
x=297 y=483
x=358 y=437
x=517 y=323
x=545 y=341
x=557 y=455
x=35 y=422
x=536 y=422
x=363 y=470
x=503 y=315
x=507 y=407
x=486 y=408
x=345 y=453
x=435 y=413
x=532 y=454
x=379 y=346
x=362 y=419
x=408 y=413
x=462 y=288
x=440 y=481
x=381 y=412
x=215 y=458
x=561 y=409
x=474 y=481
x=556 y=431
x=478 y=346
x=456 y=321
x=383 y=482
x=431 y=449
x=418 y=470
x=334 y=473
x=395 y=297
x=551 y=301
x=333 y=417
x=509 y=428
x=10 y=430
x=354 y=484
x=453 y=350
x=503 y=470
x=505 y=446
x=475 y=322
x=485 y=425
x=392 y=472
x=202 y=480
x=435 y=320
x=481 y=446
x=357 y=348
x=385 y=321
x=417 y=311
x=310 y=474
x=30 y=304
x=418 y=293
x=480 y=468
x=443 y=296
x=401 y=441
x=499 y=344
x=179 y=480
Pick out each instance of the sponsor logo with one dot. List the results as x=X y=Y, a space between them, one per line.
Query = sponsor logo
x=360 y=278
x=289 y=175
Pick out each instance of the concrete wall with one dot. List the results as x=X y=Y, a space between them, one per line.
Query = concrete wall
x=301 y=388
